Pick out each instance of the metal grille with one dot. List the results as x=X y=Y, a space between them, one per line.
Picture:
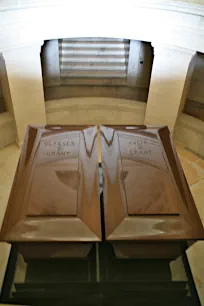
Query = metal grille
x=94 y=58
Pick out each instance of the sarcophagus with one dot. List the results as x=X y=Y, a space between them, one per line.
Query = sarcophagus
x=149 y=209
x=54 y=207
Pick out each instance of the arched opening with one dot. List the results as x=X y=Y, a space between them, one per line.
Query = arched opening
x=96 y=67
x=194 y=105
x=2 y=81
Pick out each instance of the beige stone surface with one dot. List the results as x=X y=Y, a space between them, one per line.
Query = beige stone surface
x=169 y=85
x=200 y=162
x=95 y=111
x=8 y=162
x=195 y=256
x=197 y=190
x=194 y=170
x=177 y=268
x=192 y=165
x=196 y=252
x=24 y=74
x=189 y=131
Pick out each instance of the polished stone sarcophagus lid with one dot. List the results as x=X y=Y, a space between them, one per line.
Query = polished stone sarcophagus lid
x=146 y=196
x=55 y=193
x=54 y=208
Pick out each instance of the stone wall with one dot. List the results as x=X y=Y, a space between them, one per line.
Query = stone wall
x=7 y=129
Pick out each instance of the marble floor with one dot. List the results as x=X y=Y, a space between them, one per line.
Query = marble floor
x=194 y=171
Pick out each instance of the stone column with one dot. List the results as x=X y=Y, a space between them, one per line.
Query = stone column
x=171 y=74
x=23 y=67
